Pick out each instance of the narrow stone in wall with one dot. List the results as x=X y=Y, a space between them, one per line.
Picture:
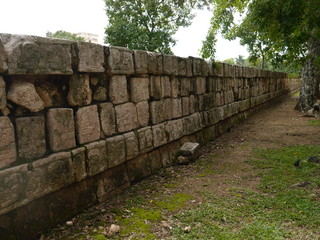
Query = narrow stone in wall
x=143 y=113
x=182 y=66
x=145 y=139
x=91 y=57
x=200 y=85
x=97 y=157
x=165 y=87
x=155 y=63
x=132 y=145
x=61 y=129
x=7 y=143
x=140 y=62
x=155 y=160
x=120 y=60
x=79 y=163
x=3 y=97
x=87 y=124
x=174 y=129
x=155 y=87
x=200 y=67
x=167 y=108
x=3 y=58
x=24 y=94
x=31 y=137
x=185 y=106
x=126 y=115
x=175 y=87
x=159 y=135
x=139 y=89
x=80 y=93
x=138 y=168
x=116 y=151
x=185 y=86
x=156 y=109
x=176 y=108
x=107 y=119
x=170 y=65
x=118 y=89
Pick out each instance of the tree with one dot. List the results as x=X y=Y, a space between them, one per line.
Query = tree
x=147 y=24
x=278 y=31
x=65 y=35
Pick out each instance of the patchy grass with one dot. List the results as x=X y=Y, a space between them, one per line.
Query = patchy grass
x=315 y=122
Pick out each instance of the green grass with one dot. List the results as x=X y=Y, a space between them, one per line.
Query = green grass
x=315 y=122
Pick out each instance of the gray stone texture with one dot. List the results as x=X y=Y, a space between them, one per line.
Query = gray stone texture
x=143 y=113
x=159 y=135
x=61 y=129
x=31 y=137
x=3 y=97
x=116 y=151
x=155 y=64
x=167 y=108
x=174 y=129
x=140 y=61
x=3 y=58
x=100 y=94
x=155 y=160
x=176 y=108
x=200 y=67
x=25 y=95
x=185 y=106
x=79 y=163
x=145 y=139
x=87 y=124
x=182 y=66
x=37 y=55
x=170 y=65
x=118 y=89
x=185 y=86
x=127 y=117
x=7 y=143
x=80 y=93
x=91 y=57
x=107 y=119
x=97 y=157
x=132 y=145
x=165 y=87
x=200 y=85
x=175 y=87
x=139 y=89
x=155 y=87
x=120 y=60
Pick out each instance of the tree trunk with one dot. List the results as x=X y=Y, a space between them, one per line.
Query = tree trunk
x=310 y=77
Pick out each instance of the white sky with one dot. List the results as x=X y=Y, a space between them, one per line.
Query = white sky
x=36 y=17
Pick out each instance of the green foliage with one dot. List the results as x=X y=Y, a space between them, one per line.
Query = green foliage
x=147 y=24
x=65 y=35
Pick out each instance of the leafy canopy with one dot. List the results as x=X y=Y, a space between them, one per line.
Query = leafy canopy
x=147 y=24
x=65 y=35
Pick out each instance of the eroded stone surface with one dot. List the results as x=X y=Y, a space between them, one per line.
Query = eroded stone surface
x=79 y=163
x=120 y=60
x=24 y=94
x=97 y=157
x=80 y=93
x=61 y=129
x=159 y=135
x=143 y=113
x=165 y=87
x=174 y=129
x=138 y=168
x=170 y=65
x=127 y=118
x=3 y=97
x=145 y=139
x=118 y=89
x=155 y=87
x=116 y=151
x=140 y=62
x=31 y=137
x=155 y=64
x=107 y=119
x=7 y=143
x=132 y=145
x=139 y=89
x=155 y=160
x=176 y=108
x=91 y=57
x=3 y=58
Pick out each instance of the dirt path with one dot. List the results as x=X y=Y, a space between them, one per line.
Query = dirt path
x=152 y=205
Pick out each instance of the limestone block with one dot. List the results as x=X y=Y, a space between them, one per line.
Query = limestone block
x=107 y=119
x=193 y=104
x=138 y=168
x=185 y=86
x=182 y=66
x=132 y=145
x=200 y=67
x=140 y=62
x=145 y=139
x=24 y=94
x=97 y=157
x=189 y=149
x=155 y=64
x=12 y=187
x=185 y=106
x=37 y=55
x=116 y=151
x=189 y=67
x=79 y=163
x=192 y=123
x=87 y=124
x=3 y=58
x=164 y=156
x=7 y=143
x=159 y=135
x=167 y=108
x=219 y=69
x=156 y=110
x=120 y=60
x=143 y=113
x=165 y=87
x=100 y=94
x=155 y=87
x=91 y=57
x=244 y=105
x=3 y=97
x=139 y=88
x=175 y=87
x=200 y=85
x=31 y=137
x=61 y=129
x=127 y=117
x=170 y=64
x=174 y=129
x=118 y=89
x=176 y=108
x=80 y=93
x=155 y=160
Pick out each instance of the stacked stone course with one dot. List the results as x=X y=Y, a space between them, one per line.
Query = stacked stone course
x=93 y=119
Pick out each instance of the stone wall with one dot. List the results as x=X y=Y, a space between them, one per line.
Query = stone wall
x=80 y=122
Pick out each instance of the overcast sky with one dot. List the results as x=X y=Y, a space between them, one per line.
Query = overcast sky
x=36 y=17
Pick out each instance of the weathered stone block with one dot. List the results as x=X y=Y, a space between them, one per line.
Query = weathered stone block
x=165 y=87
x=176 y=108
x=155 y=87
x=193 y=104
x=120 y=60
x=164 y=156
x=79 y=163
x=24 y=94
x=155 y=160
x=143 y=113
x=37 y=55
x=116 y=151
x=156 y=110
x=87 y=124
x=107 y=119
x=140 y=62
x=170 y=64
x=174 y=129
x=118 y=89
x=175 y=87
x=7 y=143
x=159 y=135
x=138 y=168
x=182 y=66
x=80 y=93
x=200 y=67
x=185 y=106
x=189 y=67
x=97 y=157
x=31 y=137
x=189 y=150
x=145 y=139
x=155 y=65
x=3 y=58
x=100 y=94
x=61 y=129
x=91 y=57
x=244 y=105
x=167 y=108
x=126 y=115
x=185 y=86
x=192 y=123
x=139 y=89
x=200 y=85
x=3 y=97
x=132 y=145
